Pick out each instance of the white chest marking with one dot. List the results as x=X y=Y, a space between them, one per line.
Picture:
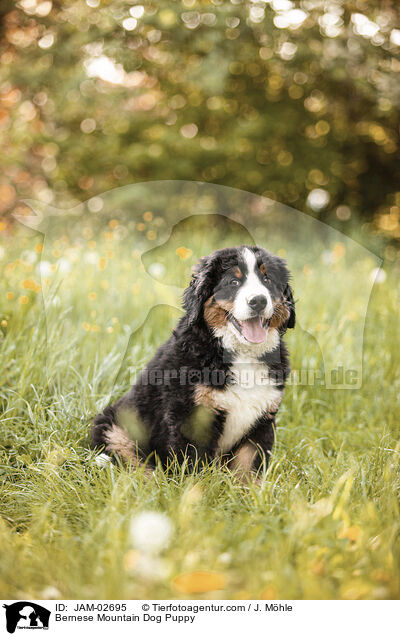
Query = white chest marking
x=251 y=394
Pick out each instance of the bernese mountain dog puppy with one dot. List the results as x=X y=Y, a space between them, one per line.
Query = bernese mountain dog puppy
x=213 y=389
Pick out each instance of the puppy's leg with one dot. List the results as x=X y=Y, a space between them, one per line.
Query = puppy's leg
x=243 y=459
x=254 y=452
x=107 y=432
x=179 y=447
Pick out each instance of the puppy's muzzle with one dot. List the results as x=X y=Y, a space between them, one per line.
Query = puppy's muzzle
x=257 y=303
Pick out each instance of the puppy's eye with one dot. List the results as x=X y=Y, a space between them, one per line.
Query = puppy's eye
x=235 y=282
x=266 y=279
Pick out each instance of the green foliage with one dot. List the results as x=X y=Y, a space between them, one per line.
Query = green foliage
x=274 y=97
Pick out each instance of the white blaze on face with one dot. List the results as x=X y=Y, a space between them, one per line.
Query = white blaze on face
x=251 y=287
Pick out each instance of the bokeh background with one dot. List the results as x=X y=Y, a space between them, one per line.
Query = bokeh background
x=135 y=138
x=294 y=100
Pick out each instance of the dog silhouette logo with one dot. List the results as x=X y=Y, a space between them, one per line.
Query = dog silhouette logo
x=26 y=615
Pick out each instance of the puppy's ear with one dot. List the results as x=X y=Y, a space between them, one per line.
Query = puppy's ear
x=200 y=287
x=289 y=303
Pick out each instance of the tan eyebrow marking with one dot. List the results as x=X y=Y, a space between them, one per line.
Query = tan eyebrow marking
x=263 y=268
x=237 y=272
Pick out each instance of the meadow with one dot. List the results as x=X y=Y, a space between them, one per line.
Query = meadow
x=324 y=522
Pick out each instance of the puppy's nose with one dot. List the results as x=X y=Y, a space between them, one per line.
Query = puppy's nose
x=258 y=303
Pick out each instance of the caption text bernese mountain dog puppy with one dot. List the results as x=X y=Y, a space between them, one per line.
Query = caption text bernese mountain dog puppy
x=213 y=389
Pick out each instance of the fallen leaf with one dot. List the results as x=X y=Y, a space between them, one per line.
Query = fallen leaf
x=198 y=582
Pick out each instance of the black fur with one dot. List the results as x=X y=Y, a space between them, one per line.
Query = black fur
x=163 y=399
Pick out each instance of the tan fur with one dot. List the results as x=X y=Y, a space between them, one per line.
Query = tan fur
x=119 y=442
x=244 y=458
x=215 y=312
x=274 y=406
x=263 y=269
x=204 y=396
x=280 y=315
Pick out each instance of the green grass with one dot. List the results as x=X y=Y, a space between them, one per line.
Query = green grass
x=323 y=524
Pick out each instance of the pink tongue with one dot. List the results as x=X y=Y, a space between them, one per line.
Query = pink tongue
x=252 y=330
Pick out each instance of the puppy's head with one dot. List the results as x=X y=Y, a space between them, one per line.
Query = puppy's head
x=242 y=292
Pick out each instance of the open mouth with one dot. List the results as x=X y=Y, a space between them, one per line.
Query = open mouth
x=253 y=329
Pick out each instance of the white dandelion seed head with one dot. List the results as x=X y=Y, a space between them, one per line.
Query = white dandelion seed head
x=44 y=268
x=92 y=258
x=102 y=460
x=225 y=558
x=150 y=532
x=157 y=270
x=152 y=568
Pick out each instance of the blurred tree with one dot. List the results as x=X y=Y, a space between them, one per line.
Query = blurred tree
x=295 y=100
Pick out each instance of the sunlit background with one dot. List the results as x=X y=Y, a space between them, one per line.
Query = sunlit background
x=294 y=100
